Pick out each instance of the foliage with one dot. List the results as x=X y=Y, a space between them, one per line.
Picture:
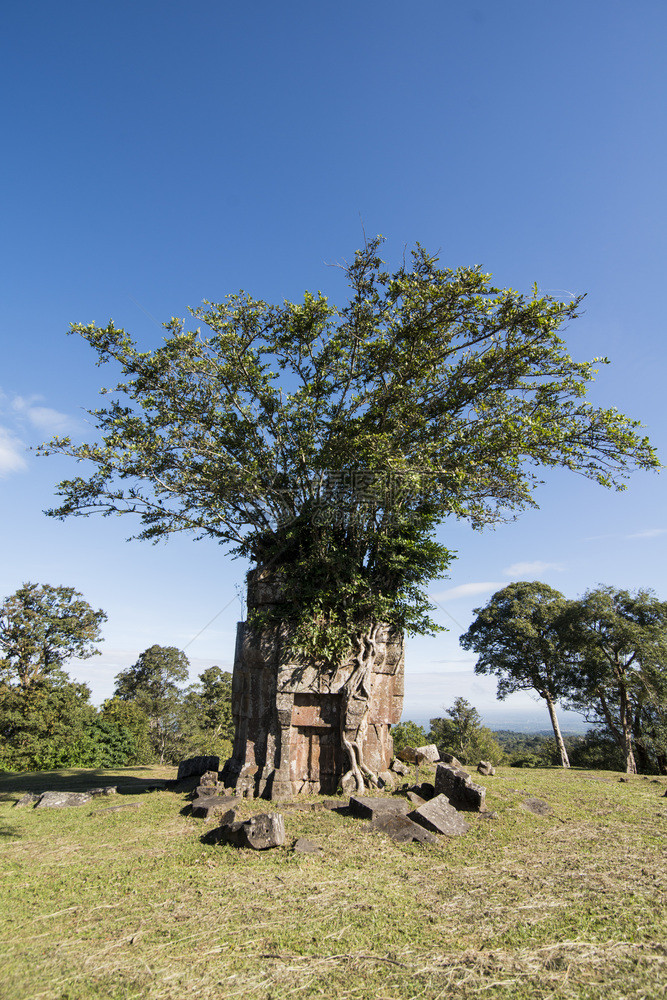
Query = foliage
x=52 y=724
x=206 y=715
x=130 y=716
x=408 y=734
x=597 y=750
x=620 y=640
x=436 y=387
x=462 y=734
x=520 y=638
x=152 y=684
x=41 y=627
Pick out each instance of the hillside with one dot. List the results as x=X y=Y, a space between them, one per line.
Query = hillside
x=126 y=904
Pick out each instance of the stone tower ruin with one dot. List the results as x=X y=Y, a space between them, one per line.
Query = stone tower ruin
x=289 y=716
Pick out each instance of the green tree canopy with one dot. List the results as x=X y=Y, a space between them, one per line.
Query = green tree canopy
x=620 y=640
x=442 y=391
x=462 y=734
x=41 y=627
x=152 y=683
x=520 y=638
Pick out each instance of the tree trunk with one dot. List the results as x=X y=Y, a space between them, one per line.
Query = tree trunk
x=354 y=716
x=560 y=743
x=630 y=764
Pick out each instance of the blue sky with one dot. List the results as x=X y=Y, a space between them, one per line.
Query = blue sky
x=156 y=154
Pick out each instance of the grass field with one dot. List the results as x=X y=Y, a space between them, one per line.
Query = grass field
x=128 y=904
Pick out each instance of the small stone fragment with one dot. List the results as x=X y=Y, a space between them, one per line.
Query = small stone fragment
x=440 y=816
x=209 y=778
x=104 y=790
x=402 y=829
x=623 y=779
x=260 y=832
x=387 y=780
x=416 y=799
x=486 y=767
x=348 y=783
x=305 y=846
x=60 y=800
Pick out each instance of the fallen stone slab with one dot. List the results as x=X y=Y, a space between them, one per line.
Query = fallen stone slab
x=459 y=788
x=402 y=829
x=367 y=807
x=29 y=799
x=305 y=846
x=260 y=832
x=411 y=755
x=440 y=816
x=415 y=798
x=213 y=805
x=537 y=806
x=449 y=758
x=429 y=753
x=62 y=800
x=103 y=790
x=197 y=765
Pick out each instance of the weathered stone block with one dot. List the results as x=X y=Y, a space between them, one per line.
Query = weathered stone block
x=260 y=832
x=28 y=799
x=430 y=753
x=204 y=807
x=440 y=816
x=459 y=788
x=367 y=807
x=402 y=829
x=60 y=800
x=486 y=767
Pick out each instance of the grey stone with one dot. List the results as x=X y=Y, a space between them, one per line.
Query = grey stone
x=103 y=790
x=215 y=805
x=60 y=800
x=398 y=767
x=412 y=755
x=440 y=816
x=623 y=779
x=387 y=780
x=209 y=778
x=348 y=784
x=430 y=753
x=459 y=788
x=305 y=846
x=196 y=766
x=260 y=832
x=366 y=807
x=401 y=829
x=28 y=799
x=486 y=767
x=449 y=758
x=537 y=806
x=416 y=799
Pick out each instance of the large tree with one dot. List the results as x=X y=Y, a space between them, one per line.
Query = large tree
x=521 y=638
x=41 y=627
x=330 y=442
x=620 y=641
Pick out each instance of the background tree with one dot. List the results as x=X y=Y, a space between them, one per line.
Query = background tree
x=440 y=388
x=206 y=715
x=130 y=716
x=620 y=640
x=520 y=638
x=41 y=627
x=408 y=734
x=152 y=683
x=462 y=734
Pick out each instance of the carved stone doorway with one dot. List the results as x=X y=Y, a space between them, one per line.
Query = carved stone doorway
x=316 y=757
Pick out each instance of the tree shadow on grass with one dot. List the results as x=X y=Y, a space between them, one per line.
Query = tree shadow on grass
x=80 y=780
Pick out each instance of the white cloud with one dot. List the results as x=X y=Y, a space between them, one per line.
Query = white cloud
x=11 y=449
x=466 y=590
x=44 y=418
x=523 y=569
x=649 y=533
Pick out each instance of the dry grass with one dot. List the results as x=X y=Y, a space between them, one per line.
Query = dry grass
x=133 y=904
